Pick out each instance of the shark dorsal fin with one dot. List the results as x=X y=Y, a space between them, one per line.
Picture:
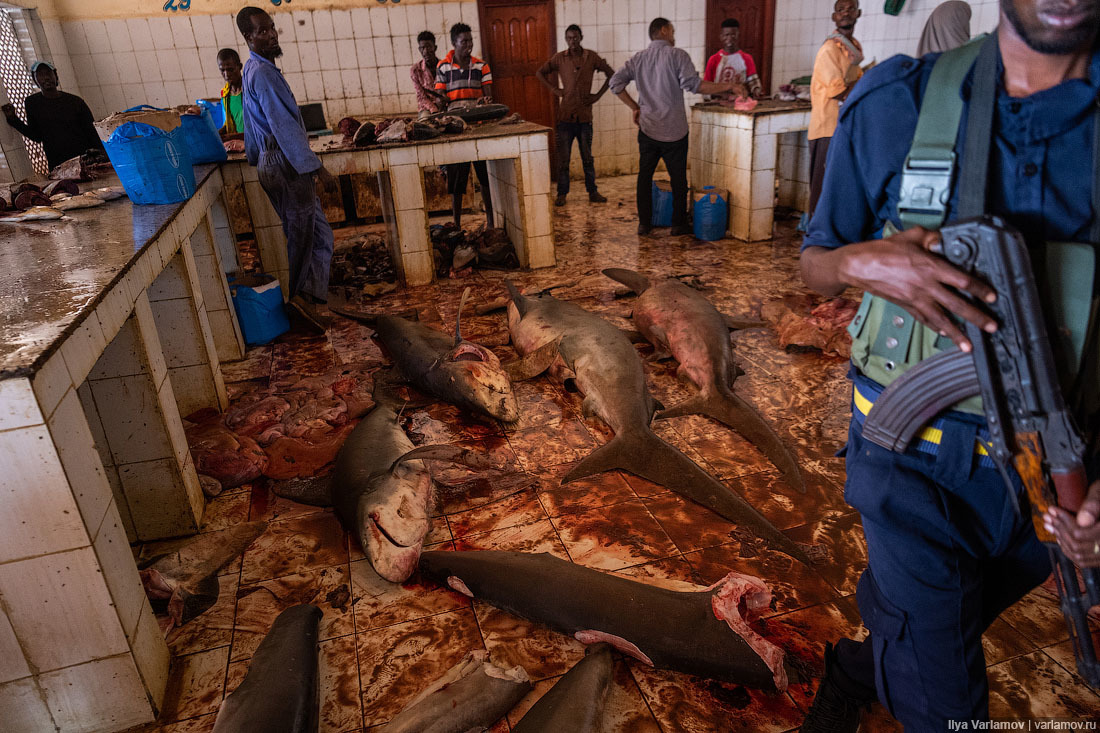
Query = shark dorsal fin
x=453 y=453
x=458 y=318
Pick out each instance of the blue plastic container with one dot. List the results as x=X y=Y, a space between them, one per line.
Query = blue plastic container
x=258 y=300
x=154 y=166
x=711 y=214
x=202 y=138
x=662 y=204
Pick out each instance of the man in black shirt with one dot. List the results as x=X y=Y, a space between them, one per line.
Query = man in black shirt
x=60 y=121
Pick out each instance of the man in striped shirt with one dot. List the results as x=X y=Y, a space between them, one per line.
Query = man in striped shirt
x=466 y=80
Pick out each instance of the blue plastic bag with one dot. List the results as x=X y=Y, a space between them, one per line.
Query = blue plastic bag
x=154 y=166
x=711 y=214
x=202 y=139
x=217 y=112
x=258 y=301
x=662 y=204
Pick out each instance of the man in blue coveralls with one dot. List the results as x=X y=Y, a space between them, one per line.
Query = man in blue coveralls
x=947 y=552
x=275 y=141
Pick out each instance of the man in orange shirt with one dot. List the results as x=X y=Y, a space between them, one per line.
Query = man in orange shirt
x=836 y=71
x=465 y=80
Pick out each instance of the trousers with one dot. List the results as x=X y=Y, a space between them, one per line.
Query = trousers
x=309 y=238
x=947 y=553
x=675 y=155
x=819 y=151
x=567 y=132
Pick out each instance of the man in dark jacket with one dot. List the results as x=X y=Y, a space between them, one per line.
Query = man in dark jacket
x=60 y=121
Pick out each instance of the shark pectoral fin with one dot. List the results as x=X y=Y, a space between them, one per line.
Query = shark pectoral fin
x=533 y=364
x=367 y=319
x=315 y=491
x=739 y=324
x=492 y=306
x=452 y=453
x=636 y=281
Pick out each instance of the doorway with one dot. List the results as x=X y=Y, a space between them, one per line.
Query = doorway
x=757 y=19
x=517 y=39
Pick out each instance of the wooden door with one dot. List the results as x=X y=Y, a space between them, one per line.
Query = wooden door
x=517 y=39
x=757 y=19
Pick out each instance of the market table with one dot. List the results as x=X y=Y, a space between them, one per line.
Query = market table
x=746 y=153
x=519 y=175
x=113 y=322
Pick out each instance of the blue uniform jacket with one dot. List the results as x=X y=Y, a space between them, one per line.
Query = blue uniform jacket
x=270 y=109
x=1041 y=160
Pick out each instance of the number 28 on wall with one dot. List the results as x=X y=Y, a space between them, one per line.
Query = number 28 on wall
x=185 y=5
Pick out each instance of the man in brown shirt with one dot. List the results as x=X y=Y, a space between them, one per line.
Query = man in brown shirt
x=575 y=68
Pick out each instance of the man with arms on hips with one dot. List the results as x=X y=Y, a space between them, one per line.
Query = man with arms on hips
x=276 y=143
x=575 y=68
x=662 y=73
x=730 y=63
x=947 y=548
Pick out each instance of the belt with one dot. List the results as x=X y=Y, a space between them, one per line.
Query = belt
x=928 y=439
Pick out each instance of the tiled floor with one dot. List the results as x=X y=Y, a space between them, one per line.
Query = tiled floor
x=381 y=643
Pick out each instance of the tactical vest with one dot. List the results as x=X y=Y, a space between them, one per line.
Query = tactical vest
x=886 y=339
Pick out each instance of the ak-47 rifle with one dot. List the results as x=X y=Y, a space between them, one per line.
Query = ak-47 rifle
x=1029 y=425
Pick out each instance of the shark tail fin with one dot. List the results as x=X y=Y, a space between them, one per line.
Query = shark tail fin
x=458 y=318
x=644 y=454
x=733 y=412
x=636 y=281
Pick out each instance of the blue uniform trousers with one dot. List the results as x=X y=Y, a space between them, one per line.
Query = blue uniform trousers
x=947 y=553
x=309 y=239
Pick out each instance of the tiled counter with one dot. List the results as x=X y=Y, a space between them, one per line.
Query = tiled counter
x=748 y=154
x=112 y=324
x=519 y=172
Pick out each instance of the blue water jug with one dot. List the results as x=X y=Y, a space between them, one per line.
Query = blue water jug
x=662 y=204
x=153 y=166
x=258 y=300
x=711 y=214
x=216 y=109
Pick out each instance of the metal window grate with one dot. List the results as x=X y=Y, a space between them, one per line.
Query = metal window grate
x=18 y=82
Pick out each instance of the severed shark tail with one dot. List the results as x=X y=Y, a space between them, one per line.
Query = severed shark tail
x=732 y=411
x=644 y=454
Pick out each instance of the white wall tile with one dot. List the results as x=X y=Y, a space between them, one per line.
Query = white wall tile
x=303 y=25
x=353 y=86
x=364 y=52
x=113 y=683
x=308 y=53
x=315 y=88
x=75 y=40
x=95 y=31
x=161 y=32
x=182 y=34
x=341 y=24
x=225 y=31
x=141 y=37
x=118 y=35
x=148 y=66
x=360 y=23
x=345 y=54
x=322 y=25
x=203 y=28
x=379 y=21
x=327 y=57
x=290 y=61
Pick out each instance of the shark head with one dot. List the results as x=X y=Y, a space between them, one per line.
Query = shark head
x=393 y=521
x=479 y=382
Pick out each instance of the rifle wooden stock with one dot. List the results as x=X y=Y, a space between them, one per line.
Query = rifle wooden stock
x=1029 y=464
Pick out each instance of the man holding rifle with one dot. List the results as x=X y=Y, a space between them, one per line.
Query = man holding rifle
x=947 y=548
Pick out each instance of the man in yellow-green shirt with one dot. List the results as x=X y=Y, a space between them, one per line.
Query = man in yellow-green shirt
x=229 y=64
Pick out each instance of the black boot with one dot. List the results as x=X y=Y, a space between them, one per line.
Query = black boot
x=839 y=701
